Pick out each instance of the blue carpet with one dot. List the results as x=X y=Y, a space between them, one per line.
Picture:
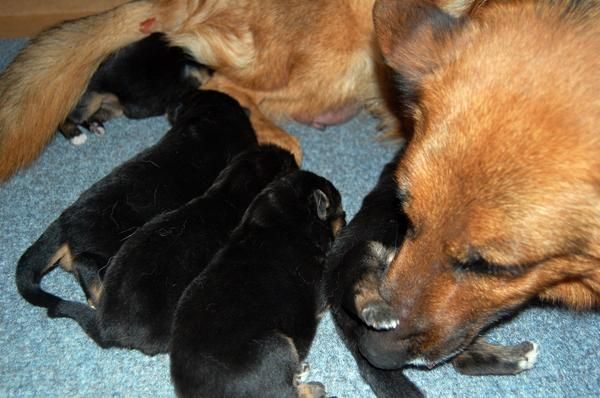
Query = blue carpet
x=41 y=357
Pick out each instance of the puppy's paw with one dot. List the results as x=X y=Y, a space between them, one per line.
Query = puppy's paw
x=488 y=359
x=379 y=315
x=530 y=352
x=79 y=139
x=97 y=128
x=313 y=389
x=302 y=374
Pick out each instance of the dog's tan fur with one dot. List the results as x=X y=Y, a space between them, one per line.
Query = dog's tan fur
x=282 y=59
x=504 y=167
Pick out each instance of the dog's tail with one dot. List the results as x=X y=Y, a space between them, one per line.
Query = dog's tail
x=37 y=261
x=45 y=81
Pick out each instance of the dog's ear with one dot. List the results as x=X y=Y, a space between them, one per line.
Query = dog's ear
x=320 y=202
x=410 y=32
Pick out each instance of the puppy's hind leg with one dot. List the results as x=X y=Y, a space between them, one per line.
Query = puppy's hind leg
x=86 y=107
x=483 y=358
x=110 y=108
x=88 y=269
x=311 y=390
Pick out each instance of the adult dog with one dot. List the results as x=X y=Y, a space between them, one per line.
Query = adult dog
x=312 y=61
x=500 y=182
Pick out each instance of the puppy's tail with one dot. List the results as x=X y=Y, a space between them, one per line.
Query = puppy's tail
x=45 y=81
x=37 y=261
x=84 y=316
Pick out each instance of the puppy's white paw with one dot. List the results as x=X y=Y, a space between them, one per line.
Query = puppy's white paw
x=79 y=139
x=97 y=128
x=530 y=358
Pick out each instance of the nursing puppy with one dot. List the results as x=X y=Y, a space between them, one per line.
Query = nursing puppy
x=209 y=129
x=355 y=266
x=500 y=182
x=244 y=325
x=150 y=271
x=141 y=80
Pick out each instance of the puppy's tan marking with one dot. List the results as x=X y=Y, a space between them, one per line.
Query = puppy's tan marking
x=63 y=257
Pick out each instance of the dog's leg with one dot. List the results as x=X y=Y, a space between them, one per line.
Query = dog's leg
x=266 y=131
x=483 y=358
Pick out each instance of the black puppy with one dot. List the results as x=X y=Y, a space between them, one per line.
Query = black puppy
x=209 y=129
x=140 y=80
x=244 y=325
x=360 y=255
x=153 y=267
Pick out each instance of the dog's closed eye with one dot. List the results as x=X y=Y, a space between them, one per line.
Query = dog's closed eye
x=478 y=265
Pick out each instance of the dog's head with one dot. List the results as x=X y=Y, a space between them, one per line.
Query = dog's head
x=501 y=182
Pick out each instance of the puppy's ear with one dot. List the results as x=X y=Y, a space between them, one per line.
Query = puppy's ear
x=320 y=203
x=411 y=32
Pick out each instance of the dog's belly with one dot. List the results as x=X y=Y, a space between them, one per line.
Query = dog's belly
x=330 y=117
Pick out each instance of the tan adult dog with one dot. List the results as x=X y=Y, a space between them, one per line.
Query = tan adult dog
x=313 y=61
x=501 y=181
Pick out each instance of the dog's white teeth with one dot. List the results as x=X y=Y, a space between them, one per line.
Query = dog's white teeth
x=530 y=358
x=79 y=139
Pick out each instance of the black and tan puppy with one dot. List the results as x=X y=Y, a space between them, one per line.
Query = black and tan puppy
x=140 y=80
x=153 y=267
x=244 y=325
x=355 y=266
x=209 y=129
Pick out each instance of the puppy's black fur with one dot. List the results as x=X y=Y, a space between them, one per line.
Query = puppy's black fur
x=243 y=326
x=355 y=264
x=140 y=80
x=209 y=129
x=153 y=267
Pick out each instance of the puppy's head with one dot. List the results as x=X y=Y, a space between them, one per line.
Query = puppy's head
x=207 y=117
x=250 y=171
x=501 y=181
x=304 y=201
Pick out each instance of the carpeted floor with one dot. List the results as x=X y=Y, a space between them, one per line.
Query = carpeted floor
x=41 y=357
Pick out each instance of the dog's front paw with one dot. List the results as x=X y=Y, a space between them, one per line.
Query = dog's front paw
x=488 y=359
x=379 y=315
